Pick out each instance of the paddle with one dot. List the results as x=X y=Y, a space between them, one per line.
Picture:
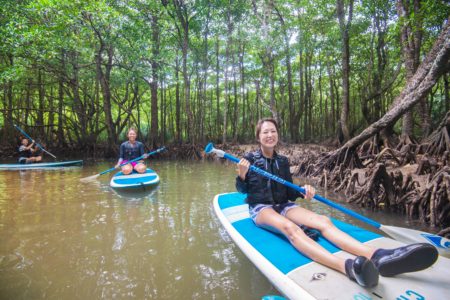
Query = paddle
x=405 y=235
x=37 y=144
x=90 y=178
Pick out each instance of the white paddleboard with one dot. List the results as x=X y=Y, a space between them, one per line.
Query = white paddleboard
x=297 y=277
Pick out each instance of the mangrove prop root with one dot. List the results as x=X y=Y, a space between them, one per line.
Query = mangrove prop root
x=439 y=141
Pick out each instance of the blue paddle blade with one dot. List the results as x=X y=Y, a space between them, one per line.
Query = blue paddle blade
x=209 y=148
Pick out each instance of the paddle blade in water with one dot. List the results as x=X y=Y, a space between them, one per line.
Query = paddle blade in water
x=90 y=178
x=409 y=236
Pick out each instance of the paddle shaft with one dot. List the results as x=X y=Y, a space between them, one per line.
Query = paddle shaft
x=302 y=190
x=37 y=144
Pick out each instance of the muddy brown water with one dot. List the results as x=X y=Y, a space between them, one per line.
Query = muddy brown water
x=64 y=239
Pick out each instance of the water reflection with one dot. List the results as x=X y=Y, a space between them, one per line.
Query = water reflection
x=136 y=194
x=61 y=238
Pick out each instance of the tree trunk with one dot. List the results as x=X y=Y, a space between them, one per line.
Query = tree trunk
x=40 y=112
x=321 y=117
x=78 y=105
x=182 y=19
x=60 y=129
x=344 y=29
x=301 y=97
x=28 y=100
x=243 y=91
x=447 y=92
x=287 y=51
x=104 y=79
x=230 y=27
x=205 y=66
x=371 y=102
x=331 y=124
x=267 y=56
x=271 y=68
x=163 y=97
x=187 y=85
x=8 y=107
x=411 y=41
x=177 y=100
x=235 y=94
x=217 y=127
x=154 y=137
x=307 y=109
x=51 y=116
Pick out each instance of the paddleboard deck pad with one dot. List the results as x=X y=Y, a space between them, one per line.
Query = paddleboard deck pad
x=134 y=180
x=41 y=165
x=297 y=277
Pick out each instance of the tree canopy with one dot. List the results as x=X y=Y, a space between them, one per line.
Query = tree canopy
x=78 y=73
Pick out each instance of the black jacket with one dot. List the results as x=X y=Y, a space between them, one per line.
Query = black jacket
x=260 y=189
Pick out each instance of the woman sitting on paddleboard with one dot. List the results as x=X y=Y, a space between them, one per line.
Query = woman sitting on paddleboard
x=270 y=208
x=26 y=153
x=130 y=150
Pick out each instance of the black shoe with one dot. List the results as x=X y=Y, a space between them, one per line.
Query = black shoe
x=362 y=270
x=411 y=258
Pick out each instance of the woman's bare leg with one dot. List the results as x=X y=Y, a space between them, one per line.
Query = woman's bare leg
x=140 y=168
x=341 y=239
x=300 y=240
x=127 y=169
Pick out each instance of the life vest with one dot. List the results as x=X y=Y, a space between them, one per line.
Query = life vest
x=129 y=151
x=261 y=190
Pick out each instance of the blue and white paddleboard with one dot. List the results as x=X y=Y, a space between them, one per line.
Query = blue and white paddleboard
x=135 y=180
x=297 y=277
x=41 y=165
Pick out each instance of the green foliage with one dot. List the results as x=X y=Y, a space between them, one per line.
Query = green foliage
x=61 y=40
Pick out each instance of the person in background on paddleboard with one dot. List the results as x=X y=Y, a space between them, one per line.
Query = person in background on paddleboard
x=130 y=150
x=26 y=153
x=270 y=208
